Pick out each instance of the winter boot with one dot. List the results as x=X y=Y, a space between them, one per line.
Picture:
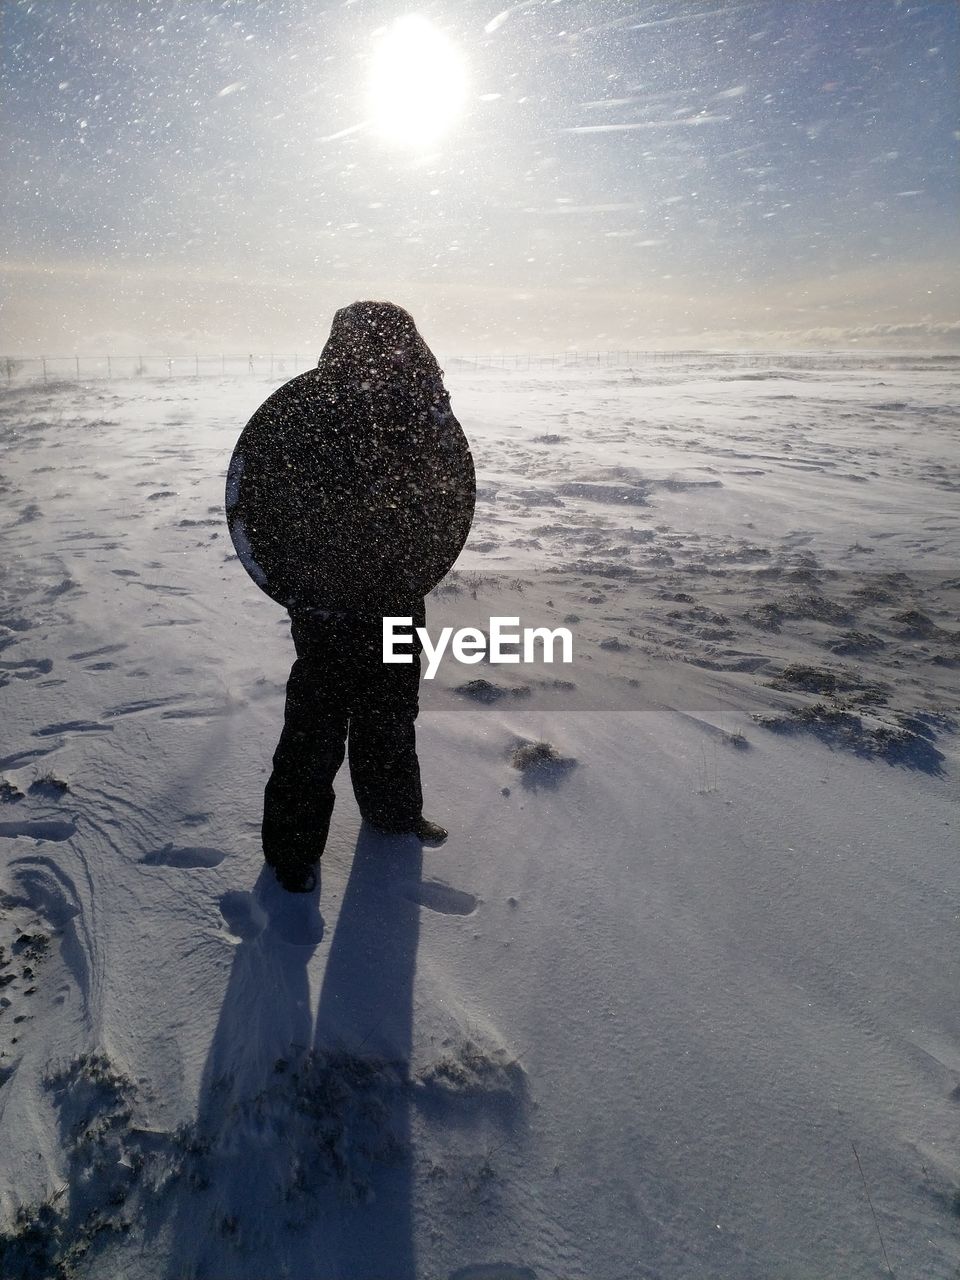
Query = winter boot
x=298 y=877
x=429 y=832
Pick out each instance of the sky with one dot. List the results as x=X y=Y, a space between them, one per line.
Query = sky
x=221 y=175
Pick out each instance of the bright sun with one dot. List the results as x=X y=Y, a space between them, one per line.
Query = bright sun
x=418 y=83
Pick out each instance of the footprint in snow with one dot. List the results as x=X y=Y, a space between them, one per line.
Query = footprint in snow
x=183 y=856
x=95 y=653
x=139 y=705
x=20 y=758
x=45 y=887
x=242 y=914
x=439 y=897
x=26 y=668
x=73 y=726
x=37 y=830
x=293 y=918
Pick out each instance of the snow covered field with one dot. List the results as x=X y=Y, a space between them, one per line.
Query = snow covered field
x=676 y=1000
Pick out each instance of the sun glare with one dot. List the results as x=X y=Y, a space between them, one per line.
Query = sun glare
x=417 y=83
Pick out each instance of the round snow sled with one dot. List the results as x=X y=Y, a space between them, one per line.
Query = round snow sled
x=346 y=499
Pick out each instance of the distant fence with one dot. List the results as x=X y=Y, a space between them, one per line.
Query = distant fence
x=89 y=368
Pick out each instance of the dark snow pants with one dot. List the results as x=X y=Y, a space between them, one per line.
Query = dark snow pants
x=339 y=689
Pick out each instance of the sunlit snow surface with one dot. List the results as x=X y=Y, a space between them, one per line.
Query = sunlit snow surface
x=644 y=1011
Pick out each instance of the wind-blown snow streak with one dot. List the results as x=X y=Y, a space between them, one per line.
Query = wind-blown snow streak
x=647 y=124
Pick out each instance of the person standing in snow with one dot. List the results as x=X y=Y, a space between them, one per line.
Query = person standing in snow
x=350 y=493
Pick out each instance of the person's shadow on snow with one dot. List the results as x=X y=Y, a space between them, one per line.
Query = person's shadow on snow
x=235 y=1148
x=299 y=1163
x=363 y=1042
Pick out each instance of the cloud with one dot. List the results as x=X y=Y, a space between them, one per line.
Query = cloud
x=63 y=307
x=941 y=335
x=920 y=329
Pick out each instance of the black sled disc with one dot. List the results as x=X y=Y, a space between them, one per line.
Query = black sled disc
x=345 y=499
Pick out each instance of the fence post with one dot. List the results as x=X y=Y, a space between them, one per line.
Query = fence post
x=77 y=359
x=43 y=361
